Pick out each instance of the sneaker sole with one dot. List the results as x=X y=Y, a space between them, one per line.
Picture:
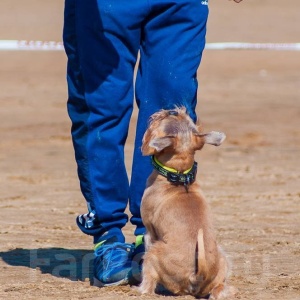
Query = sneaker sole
x=98 y=283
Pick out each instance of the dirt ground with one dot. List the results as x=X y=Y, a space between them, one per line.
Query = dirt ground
x=251 y=181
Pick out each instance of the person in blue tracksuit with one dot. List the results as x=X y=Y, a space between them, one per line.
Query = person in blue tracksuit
x=102 y=39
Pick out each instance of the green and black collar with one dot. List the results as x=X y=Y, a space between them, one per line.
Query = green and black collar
x=185 y=178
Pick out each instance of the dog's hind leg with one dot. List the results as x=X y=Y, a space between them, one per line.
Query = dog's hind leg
x=149 y=275
x=220 y=289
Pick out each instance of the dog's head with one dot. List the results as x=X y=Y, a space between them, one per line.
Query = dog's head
x=175 y=132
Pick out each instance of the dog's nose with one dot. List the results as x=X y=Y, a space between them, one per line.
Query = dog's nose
x=173 y=113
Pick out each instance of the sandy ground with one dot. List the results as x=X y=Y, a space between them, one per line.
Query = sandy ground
x=252 y=181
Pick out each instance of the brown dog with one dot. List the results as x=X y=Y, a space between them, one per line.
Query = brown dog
x=181 y=250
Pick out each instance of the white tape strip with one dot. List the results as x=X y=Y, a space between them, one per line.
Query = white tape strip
x=11 y=45
x=16 y=45
x=253 y=46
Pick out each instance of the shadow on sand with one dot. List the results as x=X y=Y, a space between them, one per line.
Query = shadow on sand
x=74 y=264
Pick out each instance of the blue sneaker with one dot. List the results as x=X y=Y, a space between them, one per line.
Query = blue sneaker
x=112 y=263
x=135 y=276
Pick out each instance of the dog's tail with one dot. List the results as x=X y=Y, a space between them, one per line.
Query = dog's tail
x=200 y=256
x=201 y=270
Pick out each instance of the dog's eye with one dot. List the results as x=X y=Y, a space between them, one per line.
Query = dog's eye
x=173 y=113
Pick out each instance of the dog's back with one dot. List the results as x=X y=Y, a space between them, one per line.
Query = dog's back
x=185 y=251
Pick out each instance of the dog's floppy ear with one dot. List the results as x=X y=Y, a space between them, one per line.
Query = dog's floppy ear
x=161 y=143
x=155 y=145
x=213 y=138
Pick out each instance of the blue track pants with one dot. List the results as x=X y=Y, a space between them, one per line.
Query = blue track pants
x=102 y=39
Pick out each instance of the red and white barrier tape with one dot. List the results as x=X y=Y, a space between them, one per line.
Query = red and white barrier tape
x=19 y=45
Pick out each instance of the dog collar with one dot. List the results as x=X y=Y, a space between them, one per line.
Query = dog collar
x=175 y=177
